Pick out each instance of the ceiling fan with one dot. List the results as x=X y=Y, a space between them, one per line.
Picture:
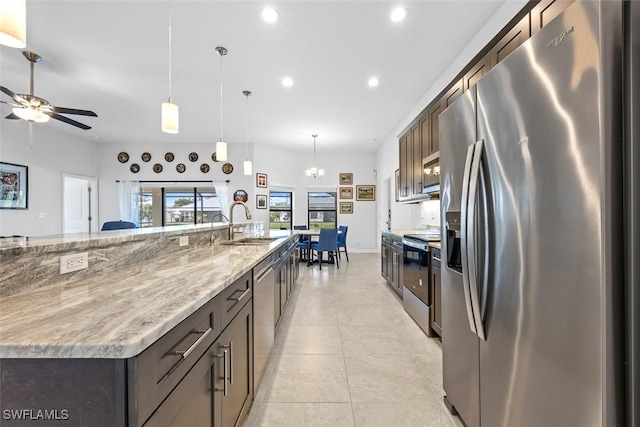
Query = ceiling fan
x=35 y=109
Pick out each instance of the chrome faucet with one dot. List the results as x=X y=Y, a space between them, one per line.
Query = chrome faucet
x=246 y=211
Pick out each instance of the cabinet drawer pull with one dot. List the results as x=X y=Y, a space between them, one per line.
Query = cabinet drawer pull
x=185 y=353
x=244 y=294
x=436 y=258
x=230 y=347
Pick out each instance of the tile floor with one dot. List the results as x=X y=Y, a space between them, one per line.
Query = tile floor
x=347 y=354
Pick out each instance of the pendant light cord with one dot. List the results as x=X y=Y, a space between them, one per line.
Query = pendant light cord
x=314 y=150
x=221 y=137
x=170 y=62
x=247 y=94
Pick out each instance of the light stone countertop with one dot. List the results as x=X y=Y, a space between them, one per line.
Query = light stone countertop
x=118 y=315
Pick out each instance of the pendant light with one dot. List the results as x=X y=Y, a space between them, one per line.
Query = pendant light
x=314 y=172
x=13 y=23
x=248 y=170
x=221 y=146
x=170 y=113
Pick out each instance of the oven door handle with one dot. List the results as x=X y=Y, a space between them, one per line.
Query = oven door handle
x=464 y=244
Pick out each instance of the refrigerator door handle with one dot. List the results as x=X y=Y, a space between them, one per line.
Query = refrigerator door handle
x=471 y=227
x=464 y=238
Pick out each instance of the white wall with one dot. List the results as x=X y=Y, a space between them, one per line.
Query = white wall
x=413 y=215
x=55 y=151
x=286 y=169
x=111 y=170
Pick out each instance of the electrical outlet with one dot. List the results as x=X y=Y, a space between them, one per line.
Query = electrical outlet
x=74 y=262
x=183 y=241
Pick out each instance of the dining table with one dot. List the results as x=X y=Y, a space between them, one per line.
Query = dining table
x=311 y=233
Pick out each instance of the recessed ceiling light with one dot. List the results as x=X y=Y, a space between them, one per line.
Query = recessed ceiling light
x=269 y=15
x=398 y=14
x=373 y=82
x=287 y=81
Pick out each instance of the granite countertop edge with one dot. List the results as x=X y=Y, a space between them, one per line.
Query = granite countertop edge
x=117 y=316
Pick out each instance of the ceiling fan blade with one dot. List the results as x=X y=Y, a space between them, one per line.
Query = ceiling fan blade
x=14 y=96
x=69 y=121
x=64 y=110
x=11 y=103
x=12 y=116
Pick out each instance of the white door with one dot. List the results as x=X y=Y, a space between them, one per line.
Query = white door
x=79 y=202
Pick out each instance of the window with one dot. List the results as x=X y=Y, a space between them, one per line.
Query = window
x=322 y=209
x=280 y=212
x=160 y=206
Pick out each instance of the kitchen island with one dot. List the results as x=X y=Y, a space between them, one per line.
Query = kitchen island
x=134 y=338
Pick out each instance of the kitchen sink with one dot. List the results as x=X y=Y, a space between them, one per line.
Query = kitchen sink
x=249 y=241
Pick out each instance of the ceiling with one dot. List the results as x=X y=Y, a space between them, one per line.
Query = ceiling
x=112 y=57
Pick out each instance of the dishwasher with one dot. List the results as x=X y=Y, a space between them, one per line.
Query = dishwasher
x=263 y=317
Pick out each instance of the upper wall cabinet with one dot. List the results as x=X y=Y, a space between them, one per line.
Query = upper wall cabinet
x=421 y=139
x=519 y=34
x=545 y=11
x=453 y=93
x=476 y=72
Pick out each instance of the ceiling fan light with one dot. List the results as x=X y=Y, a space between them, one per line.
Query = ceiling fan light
x=13 y=23
x=221 y=151
x=248 y=167
x=170 y=117
x=31 y=115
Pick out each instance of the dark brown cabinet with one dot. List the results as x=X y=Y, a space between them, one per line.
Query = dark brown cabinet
x=218 y=390
x=545 y=11
x=405 y=161
x=416 y=160
x=385 y=256
x=391 y=261
x=476 y=72
x=436 y=292
x=432 y=137
x=519 y=34
x=453 y=93
x=233 y=374
x=192 y=401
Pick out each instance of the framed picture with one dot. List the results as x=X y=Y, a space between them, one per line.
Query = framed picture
x=346 y=178
x=346 y=193
x=261 y=180
x=346 y=207
x=366 y=192
x=14 y=186
x=261 y=201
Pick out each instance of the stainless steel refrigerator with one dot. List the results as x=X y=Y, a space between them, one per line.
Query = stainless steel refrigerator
x=538 y=195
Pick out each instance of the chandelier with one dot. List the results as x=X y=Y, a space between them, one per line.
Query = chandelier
x=314 y=172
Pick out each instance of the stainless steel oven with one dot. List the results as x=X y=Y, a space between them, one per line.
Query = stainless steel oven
x=416 y=297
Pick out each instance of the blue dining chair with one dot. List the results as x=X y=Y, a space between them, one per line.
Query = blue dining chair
x=118 y=225
x=342 y=240
x=303 y=243
x=327 y=242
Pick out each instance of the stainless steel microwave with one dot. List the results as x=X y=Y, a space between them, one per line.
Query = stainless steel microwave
x=431 y=174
